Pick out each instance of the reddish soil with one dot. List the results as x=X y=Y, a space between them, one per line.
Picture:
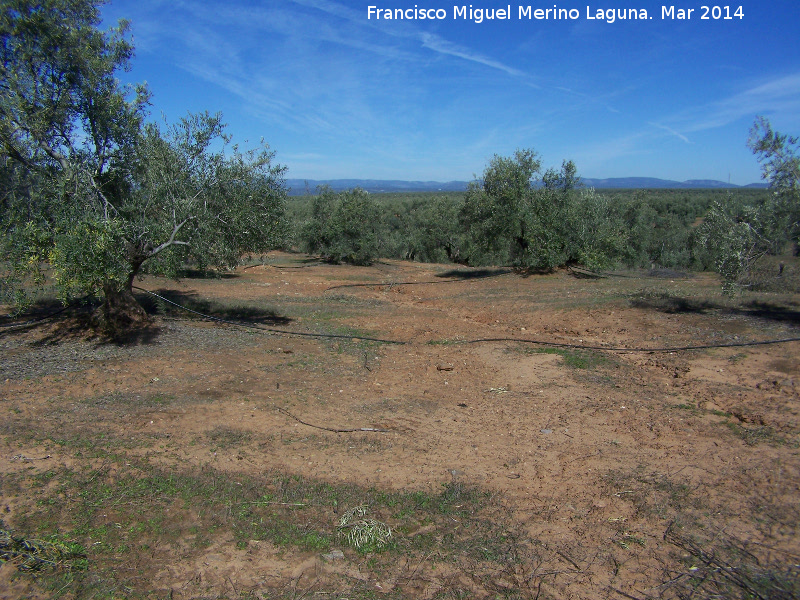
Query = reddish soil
x=596 y=455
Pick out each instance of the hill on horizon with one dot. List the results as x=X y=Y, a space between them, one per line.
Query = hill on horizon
x=301 y=187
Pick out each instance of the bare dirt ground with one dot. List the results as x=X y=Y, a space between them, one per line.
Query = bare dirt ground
x=558 y=472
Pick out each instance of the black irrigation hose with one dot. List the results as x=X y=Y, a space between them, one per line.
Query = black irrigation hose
x=619 y=349
x=399 y=283
x=481 y=340
x=390 y=284
x=605 y=274
x=573 y=270
x=271 y=329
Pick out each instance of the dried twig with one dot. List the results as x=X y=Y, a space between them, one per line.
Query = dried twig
x=621 y=593
x=419 y=564
x=264 y=502
x=569 y=560
x=746 y=573
x=373 y=429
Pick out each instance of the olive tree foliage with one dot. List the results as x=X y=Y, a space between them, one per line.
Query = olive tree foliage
x=538 y=220
x=425 y=229
x=734 y=235
x=441 y=238
x=494 y=213
x=732 y=240
x=778 y=155
x=344 y=227
x=595 y=234
x=655 y=238
x=68 y=132
x=91 y=193
x=202 y=198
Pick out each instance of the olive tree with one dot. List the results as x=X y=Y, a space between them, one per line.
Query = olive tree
x=779 y=155
x=595 y=235
x=440 y=236
x=735 y=236
x=500 y=208
x=540 y=220
x=93 y=195
x=344 y=227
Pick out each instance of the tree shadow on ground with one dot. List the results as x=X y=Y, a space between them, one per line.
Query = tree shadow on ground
x=77 y=321
x=59 y=322
x=473 y=273
x=664 y=273
x=304 y=264
x=451 y=276
x=580 y=273
x=669 y=304
x=207 y=274
x=759 y=309
x=295 y=260
x=37 y=312
x=240 y=313
x=771 y=311
x=311 y=261
x=533 y=271
x=137 y=336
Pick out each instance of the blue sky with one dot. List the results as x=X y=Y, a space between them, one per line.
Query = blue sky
x=338 y=95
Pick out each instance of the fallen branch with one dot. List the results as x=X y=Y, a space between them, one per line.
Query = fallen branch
x=373 y=429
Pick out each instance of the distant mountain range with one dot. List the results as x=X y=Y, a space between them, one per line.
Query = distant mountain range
x=300 y=187
x=653 y=183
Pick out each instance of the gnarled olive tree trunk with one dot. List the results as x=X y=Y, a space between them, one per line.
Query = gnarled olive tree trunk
x=120 y=312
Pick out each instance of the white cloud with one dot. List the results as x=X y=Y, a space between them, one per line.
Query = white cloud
x=442 y=46
x=779 y=96
x=431 y=41
x=672 y=132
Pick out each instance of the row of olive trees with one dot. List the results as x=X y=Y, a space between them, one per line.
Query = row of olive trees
x=515 y=214
x=94 y=195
